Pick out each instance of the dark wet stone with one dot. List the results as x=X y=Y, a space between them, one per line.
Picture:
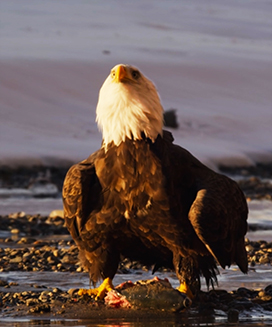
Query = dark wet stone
x=156 y=296
x=233 y=316
x=268 y=289
x=244 y=292
x=3 y=282
x=170 y=118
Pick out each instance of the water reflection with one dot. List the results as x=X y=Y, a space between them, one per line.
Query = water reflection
x=171 y=322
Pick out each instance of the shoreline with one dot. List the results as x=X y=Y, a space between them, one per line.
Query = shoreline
x=253 y=180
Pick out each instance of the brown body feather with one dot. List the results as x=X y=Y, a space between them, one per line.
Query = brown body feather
x=156 y=203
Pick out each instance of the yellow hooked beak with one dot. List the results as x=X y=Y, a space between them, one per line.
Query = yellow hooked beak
x=119 y=74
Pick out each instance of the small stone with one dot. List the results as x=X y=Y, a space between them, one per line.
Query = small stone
x=249 y=248
x=264 y=259
x=16 y=260
x=15 y=231
x=56 y=253
x=261 y=293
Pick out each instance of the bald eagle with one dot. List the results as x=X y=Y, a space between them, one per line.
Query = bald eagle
x=142 y=197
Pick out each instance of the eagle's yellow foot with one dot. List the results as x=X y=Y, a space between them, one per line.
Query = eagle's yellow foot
x=184 y=288
x=100 y=292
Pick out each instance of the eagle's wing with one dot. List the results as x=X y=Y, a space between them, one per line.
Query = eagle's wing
x=217 y=209
x=81 y=190
x=219 y=217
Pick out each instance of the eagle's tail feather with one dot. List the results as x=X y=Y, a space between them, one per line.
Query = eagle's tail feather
x=208 y=269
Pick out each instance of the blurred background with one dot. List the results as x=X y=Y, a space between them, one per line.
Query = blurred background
x=210 y=60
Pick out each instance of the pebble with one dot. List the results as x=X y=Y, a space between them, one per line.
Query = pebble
x=15 y=231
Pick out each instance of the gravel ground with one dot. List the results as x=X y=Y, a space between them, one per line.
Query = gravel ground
x=36 y=252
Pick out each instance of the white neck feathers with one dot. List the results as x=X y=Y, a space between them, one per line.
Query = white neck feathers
x=125 y=110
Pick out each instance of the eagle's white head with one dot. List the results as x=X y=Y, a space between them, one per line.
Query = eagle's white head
x=128 y=105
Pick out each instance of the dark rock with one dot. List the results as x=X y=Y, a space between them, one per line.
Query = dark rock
x=3 y=282
x=170 y=118
x=156 y=296
x=233 y=316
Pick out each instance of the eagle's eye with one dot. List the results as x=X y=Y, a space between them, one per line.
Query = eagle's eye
x=113 y=73
x=135 y=74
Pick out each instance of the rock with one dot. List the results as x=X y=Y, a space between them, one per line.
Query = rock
x=56 y=213
x=155 y=294
x=3 y=282
x=16 y=260
x=26 y=240
x=268 y=289
x=233 y=316
x=15 y=231
x=170 y=118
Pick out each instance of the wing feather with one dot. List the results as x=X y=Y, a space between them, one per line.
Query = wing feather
x=219 y=217
x=81 y=196
x=215 y=205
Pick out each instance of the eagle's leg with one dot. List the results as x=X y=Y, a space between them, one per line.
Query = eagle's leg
x=188 y=274
x=190 y=268
x=101 y=263
x=99 y=292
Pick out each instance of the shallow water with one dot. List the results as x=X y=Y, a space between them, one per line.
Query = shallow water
x=229 y=279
